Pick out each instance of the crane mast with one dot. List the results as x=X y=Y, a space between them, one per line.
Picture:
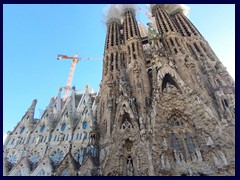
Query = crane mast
x=75 y=59
x=71 y=72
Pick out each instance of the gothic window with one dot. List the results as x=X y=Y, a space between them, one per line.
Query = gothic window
x=196 y=47
x=175 y=142
x=171 y=42
x=189 y=142
x=225 y=103
x=111 y=62
x=168 y=80
x=42 y=128
x=41 y=173
x=66 y=137
x=133 y=47
x=65 y=172
x=85 y=136
x=116 y=58
x=57 y=156
x=63 y=127
x=203 y=46
x=50 y=138
x=55 y=138
x=78 y=156
x=93 y=151
x=22 y=130
x=84 y=125
x=40 y=139
x=77 y=136
x=72 y=136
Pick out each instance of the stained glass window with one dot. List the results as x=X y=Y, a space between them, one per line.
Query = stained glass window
x=84 y=126
x=63 y=127
x=34 y=158
x=78 y=156
x=12 y=158
x=22 y=130
x=57 y=156
x=175 y=142
x=42 y=128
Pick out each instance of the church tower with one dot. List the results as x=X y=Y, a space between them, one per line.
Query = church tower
x=125 y=96
x=166 y=107
x=174 y=105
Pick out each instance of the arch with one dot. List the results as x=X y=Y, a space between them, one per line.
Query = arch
x=169 y=79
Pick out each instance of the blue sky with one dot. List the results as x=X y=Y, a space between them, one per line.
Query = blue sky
x=33 y=35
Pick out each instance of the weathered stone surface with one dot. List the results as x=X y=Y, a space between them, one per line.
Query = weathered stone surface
x=164 y=109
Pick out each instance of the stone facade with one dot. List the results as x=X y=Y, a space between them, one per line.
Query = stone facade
x=166 y=107
x=56 y=144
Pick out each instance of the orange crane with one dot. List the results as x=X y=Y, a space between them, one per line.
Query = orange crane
x=75 y=60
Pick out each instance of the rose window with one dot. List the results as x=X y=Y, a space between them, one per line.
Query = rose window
x=12 y=158
x=57 y=157
x=34 y=158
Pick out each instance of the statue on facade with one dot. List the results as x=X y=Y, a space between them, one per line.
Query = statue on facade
x=129 y=167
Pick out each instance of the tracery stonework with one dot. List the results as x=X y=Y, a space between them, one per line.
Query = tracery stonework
x=165 y=108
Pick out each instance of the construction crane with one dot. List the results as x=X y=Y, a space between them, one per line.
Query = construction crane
x=149 y=15
x=75 y=59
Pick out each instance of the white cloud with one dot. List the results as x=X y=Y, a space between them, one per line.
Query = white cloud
x=115 y=10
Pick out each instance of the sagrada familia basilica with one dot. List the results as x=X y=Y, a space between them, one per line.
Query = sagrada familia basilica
x=166 y=107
